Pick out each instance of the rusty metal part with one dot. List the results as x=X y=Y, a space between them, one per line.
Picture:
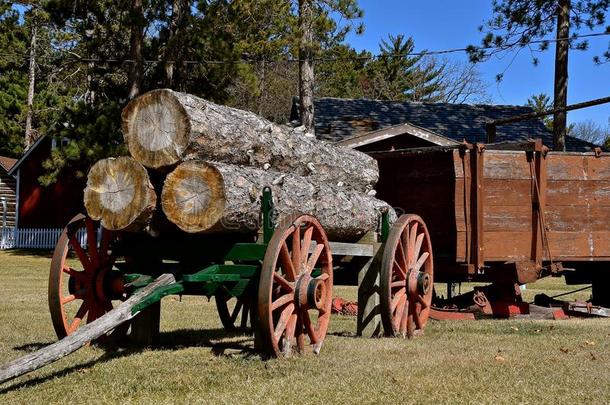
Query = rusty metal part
x=527 y=271
x=444 y=314
x=294 y=303
x=480 y=299
x=585 y=309
x=76 y=293
x=407 y=278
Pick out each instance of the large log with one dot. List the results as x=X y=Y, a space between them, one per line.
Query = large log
x=83 y=335
x=217 y=197
x=119 y=194
x=163 y=127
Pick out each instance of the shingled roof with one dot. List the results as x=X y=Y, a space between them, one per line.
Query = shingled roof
x=6 y=162
x=337 y=119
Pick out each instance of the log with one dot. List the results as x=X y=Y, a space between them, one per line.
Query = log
x=83 y=335
x=119 y=194
x=163 y=127
x=216 y=197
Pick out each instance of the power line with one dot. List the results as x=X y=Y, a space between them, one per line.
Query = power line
x=75 y=58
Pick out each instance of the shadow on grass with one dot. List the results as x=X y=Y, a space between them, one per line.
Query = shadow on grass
x=46 y=253
x=173 y=340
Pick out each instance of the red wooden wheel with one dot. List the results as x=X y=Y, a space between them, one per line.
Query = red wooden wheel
x=236 y=313
x=406 y=278
x=82 y=289
x=295 y=289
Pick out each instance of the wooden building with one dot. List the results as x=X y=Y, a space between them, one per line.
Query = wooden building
x=41 y=206
x=8 y=192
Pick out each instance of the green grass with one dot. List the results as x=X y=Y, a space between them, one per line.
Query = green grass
x=455 y=362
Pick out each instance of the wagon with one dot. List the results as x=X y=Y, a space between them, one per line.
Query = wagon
x=507 y=217
x=275 y=282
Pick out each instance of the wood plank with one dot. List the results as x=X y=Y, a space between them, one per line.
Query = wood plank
x=351 y=249
x=500 y=246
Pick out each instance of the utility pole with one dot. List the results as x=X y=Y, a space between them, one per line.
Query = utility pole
x=29 y=132
x=136 y=68
x=306 y=74
x=562 y=47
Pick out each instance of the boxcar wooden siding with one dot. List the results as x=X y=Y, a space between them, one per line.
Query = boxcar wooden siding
x=576 y=214
x=577 y=209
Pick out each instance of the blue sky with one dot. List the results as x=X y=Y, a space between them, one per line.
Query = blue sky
x=442 y=24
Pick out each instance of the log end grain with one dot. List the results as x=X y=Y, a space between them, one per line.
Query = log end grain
x=156 y=128
x=119 y=194
x=193 y=196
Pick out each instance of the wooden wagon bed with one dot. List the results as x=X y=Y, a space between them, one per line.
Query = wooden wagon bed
x=490 y=211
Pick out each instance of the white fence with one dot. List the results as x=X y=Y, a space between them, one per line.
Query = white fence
x=34 y=238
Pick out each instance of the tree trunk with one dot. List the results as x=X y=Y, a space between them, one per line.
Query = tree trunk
x=136 y=68
x=82 y=336
x=163 y=127
x=562 y=47
x=120 y=194
x=216 y=197
x=306 y=74
x=29 y=133
x=174 y=46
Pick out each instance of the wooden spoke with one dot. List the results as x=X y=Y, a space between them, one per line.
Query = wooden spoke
x=404 y=245
x=400 y=307
x=107 y=236
x=422 y=259
x=306 y=245
x=403 y=263
x=396 y=284
x=309 y=328
x=92 y=241
x=80 y=314
x=416 y=317
x=404 y=318
x=323 y=277
x=397 y=297
x=291 y=327
x=313 y=259
x=401 y=272
x=297 y=260
x=283 y=282
x=68 y=298
x=421 y=301
x=236 y=310
x=418 y=243
x=242 y=311
x=283 y=300
x=283 y=321
x=82 y=256
x=286 y=263
x=244 y=316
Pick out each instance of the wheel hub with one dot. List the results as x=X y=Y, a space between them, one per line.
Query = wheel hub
x=310 y=293
x=418 y=283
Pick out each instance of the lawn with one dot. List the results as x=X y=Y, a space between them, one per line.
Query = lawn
x=455 y=362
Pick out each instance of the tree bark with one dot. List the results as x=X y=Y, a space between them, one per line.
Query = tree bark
x=562 y=47
x=306 y=73
x=136 y=68
x=215 y=197
x=120 y=194
x=174 y=46
x=82 y=336
x=29 y=133
x=163 y=127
